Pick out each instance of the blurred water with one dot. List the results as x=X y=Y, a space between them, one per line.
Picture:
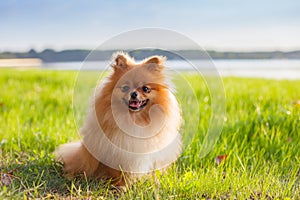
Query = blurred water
x=274 y=69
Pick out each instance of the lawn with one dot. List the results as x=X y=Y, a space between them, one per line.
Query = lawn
x=260 y=138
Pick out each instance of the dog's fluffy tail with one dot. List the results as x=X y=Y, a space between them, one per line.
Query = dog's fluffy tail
x=76 y=159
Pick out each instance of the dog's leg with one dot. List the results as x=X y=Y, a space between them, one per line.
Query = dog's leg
x=76 y=159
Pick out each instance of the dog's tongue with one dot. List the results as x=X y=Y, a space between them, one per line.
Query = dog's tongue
x=135 y=104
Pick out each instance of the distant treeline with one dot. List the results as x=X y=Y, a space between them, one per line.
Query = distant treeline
x=49 y=55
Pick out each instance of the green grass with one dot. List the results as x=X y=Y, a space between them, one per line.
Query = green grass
x=261 y=136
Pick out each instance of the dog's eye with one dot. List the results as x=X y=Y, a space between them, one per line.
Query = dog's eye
x=146 y=89
x=125 y=88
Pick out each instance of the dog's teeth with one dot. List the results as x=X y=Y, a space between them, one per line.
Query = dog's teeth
x=137 y=104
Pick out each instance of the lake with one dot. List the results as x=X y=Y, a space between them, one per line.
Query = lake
x=269 y=68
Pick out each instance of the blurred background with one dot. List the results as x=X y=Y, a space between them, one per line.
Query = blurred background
x=244 y=38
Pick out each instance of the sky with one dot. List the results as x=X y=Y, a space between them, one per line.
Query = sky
x=222 y=25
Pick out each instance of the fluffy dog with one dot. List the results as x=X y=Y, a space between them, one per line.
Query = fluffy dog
x=132 y=125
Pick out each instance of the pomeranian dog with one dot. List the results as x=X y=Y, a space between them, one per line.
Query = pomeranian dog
x=132 y=126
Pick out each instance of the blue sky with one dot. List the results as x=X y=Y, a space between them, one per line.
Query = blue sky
x=233 y=25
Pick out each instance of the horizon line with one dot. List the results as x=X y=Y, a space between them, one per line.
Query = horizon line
x=129 y=49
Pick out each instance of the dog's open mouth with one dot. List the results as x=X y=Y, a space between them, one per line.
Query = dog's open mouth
x=136 y=105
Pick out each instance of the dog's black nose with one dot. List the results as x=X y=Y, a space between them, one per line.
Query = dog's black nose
x=134 y=95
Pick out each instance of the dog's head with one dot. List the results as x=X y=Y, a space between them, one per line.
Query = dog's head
x=138 y=86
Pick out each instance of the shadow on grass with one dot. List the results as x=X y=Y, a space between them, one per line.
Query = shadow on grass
x=44 y=178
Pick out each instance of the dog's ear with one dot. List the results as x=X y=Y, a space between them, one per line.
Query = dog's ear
x=155 y=60
x=155 y=63
x=120 y=61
